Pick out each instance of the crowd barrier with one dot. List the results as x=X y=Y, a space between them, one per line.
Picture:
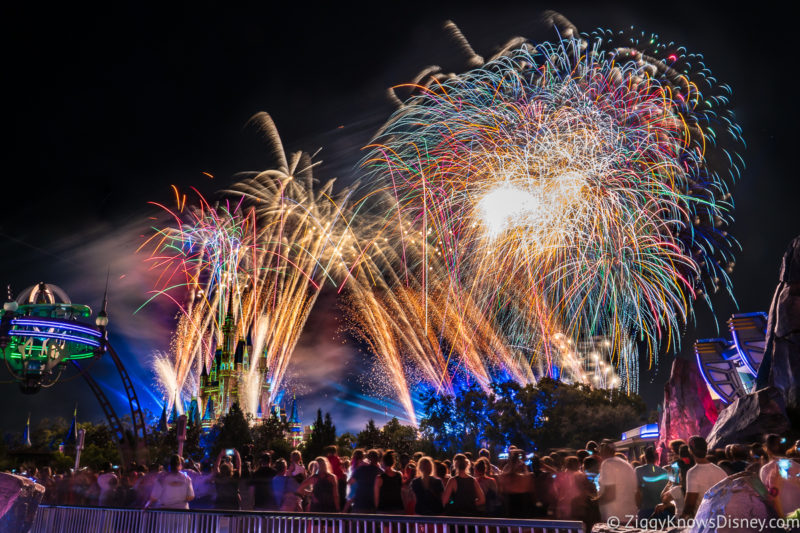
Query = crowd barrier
x=63 y=519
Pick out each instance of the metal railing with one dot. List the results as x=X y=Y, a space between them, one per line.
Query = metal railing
x=62 y=519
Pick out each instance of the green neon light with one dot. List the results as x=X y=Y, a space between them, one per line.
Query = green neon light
x=38 y=356
x=83 y=355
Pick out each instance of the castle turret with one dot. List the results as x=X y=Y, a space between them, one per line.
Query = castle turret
x=228 y=330
x=295 y=427
x=72 y=433
x=209 y=417
x=216 y=366
x=193 y=414
x=26 y=435
x=238 y=357
x=294 y=419
x=162 y=421
x=173 y=417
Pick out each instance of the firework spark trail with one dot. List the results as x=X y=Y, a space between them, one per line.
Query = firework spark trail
x=378 y=330
x=300 y=230
x=571 y=188
x=378 y=314
x=433 y=343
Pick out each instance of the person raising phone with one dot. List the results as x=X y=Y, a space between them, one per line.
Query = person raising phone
x=227 y=470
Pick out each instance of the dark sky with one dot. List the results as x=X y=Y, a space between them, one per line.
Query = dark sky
x=104 y=109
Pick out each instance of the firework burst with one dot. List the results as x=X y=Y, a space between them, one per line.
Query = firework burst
x=577 y=189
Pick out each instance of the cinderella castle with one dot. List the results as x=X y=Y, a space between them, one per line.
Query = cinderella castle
x=220 y=387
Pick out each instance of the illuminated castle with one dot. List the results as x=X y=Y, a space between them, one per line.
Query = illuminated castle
x=222 y=383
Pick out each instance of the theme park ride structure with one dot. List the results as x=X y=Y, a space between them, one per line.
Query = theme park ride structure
x=42 y=332
x=730 y=367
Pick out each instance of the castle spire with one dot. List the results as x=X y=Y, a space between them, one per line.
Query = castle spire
x=162 y=421
x=194 y=412
x=72 y=432
x=228 y=328
x=173 y=417
x=294 y=419
x=26 y=435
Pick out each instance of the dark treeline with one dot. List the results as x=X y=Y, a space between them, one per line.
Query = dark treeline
x=540 y=417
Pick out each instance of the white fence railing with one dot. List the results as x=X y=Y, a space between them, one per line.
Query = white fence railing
x=59 y=519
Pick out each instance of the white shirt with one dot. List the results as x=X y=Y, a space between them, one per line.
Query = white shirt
x=173 y=491
x=617 y=472
x=296 y=469
x=702 y=477
x=788 y=488
x=106 y=487
x=678 y=497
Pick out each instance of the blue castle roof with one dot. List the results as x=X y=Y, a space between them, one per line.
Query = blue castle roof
x=209 y=414
x=294 y=418
x=162 y=421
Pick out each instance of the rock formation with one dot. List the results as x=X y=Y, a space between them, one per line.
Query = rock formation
x=749 y=418
x=688 y=407
x=782 y=352
x=19 y=499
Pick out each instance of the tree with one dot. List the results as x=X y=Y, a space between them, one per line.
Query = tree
x=163 y=444
x=99 y=445
x=345 y=443
x=281 y=449
x=370 y=436
x=504 y=423
x=398 y=437
x=437 y=426
x=329 y=430
x=469 y=417
x=60 y=462
x=96 y=456
x=49 y=433
x=571 y=415
x=549 y=414
x=270 y=435
x=231 y=431
x=427 y=447
x=323 y=434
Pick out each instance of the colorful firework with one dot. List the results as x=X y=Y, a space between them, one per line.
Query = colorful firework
x=201 y=259
x=262 y=255
x=576 y=189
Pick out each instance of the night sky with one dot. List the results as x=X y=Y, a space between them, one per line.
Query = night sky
x=105 y=109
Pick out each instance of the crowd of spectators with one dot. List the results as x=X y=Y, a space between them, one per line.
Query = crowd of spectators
x=589 y=485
